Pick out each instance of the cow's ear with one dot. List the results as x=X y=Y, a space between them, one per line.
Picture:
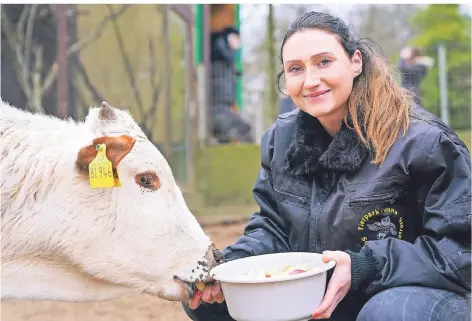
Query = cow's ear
x=117 y=148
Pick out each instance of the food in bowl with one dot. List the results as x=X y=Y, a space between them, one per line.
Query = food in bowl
x=287 y=270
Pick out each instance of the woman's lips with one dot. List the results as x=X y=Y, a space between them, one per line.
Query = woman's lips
x=317 y=95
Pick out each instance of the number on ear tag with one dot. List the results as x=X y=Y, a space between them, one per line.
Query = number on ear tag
x=101 y=170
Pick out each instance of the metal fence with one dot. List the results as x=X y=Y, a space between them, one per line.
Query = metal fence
x=454 y=85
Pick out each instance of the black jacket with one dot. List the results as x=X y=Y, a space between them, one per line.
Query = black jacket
x=406 y=222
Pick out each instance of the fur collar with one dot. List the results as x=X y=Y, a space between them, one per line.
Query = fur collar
x=313 y=150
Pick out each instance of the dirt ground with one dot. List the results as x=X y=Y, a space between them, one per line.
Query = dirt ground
x=128 y=308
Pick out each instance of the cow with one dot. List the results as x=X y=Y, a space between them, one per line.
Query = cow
x=63 y=240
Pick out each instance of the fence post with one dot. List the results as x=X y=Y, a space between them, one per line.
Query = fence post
x=442 y=70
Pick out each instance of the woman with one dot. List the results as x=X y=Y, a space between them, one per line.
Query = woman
x=365 y=177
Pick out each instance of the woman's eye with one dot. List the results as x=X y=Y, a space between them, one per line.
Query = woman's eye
x=294 y=69
x=325 y=62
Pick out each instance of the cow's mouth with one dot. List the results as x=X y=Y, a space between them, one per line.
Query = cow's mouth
x=189 y=287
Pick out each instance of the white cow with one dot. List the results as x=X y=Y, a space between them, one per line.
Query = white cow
x=62 y=240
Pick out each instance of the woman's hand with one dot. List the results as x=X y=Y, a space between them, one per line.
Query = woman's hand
x=338 y=286
x=211 y=293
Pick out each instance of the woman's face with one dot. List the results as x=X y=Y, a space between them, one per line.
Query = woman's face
x=318 y=73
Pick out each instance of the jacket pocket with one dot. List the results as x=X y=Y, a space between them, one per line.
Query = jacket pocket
x=297 y=200
x=293 y=204
x=386 y=198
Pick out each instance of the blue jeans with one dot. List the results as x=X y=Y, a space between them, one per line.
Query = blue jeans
x=409 y=303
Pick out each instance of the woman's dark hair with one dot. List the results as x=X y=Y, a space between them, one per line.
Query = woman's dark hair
x=384 y=104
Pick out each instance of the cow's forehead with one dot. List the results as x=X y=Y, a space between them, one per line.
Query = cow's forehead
x=144 y=151
x=121 y=124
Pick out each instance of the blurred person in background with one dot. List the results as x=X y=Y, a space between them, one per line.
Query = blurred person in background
x=227 y=123
x=365 y=176
x=286 y=105
x=413 y=67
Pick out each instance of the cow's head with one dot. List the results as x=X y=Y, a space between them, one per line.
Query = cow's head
x=143 y=236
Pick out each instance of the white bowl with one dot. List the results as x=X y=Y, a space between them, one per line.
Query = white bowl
x=278 y=298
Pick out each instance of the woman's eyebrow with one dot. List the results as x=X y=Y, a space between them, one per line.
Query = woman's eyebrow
x=314 y=56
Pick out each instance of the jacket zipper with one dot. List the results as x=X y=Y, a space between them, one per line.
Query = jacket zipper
x=319 y=211
x=292 y=196
x=391 y=198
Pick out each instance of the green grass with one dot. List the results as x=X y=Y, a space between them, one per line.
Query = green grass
x=225 y=174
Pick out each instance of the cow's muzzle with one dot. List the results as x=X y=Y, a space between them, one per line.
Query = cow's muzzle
x=212 y=258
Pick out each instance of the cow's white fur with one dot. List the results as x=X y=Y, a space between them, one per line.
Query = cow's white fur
x=62 y=240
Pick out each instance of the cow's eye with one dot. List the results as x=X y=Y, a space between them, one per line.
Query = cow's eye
x=148 y=180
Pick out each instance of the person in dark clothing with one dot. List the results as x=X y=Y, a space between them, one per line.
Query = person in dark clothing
x=224 y=45
x=227 y=124
x=413 y=68
x=368 y=178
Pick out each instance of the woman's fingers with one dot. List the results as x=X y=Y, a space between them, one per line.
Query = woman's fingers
x=196 y=300
x=207 y=295
x=211 y=293
x=217 y=293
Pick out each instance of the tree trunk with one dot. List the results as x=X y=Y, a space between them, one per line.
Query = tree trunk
x=271 y=65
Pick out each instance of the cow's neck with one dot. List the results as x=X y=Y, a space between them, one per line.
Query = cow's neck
x=44 y=280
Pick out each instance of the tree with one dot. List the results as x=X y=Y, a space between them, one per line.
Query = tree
x=369 y=21
x=271 y=55
x=445 y=24
x=34 y=76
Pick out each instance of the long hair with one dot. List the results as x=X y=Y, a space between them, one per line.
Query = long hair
x=382 y=103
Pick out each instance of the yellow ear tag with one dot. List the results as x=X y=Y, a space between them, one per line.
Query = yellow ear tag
x=101 y=170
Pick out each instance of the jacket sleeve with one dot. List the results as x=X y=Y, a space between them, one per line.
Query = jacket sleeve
x=441 y=257
x=265 y=231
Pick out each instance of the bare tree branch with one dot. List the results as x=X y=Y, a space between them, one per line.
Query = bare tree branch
x=29 y=40
x=97 y=32
x=49 y=79
x=22 y=23
x=82 y=105
x=75 y=48
x=96 y=96
x=150 y=115
x=20 y=40
x=36 y=101
x=11 y=36
x=153 y=70
x=126 y=61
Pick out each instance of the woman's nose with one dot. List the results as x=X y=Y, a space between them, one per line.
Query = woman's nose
x=312 y=78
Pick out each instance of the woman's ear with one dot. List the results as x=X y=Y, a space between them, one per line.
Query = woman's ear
x=356 y=63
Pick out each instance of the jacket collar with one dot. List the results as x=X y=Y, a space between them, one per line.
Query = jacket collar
x=313 y=150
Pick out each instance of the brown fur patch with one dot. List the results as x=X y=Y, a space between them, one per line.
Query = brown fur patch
x=117 y=149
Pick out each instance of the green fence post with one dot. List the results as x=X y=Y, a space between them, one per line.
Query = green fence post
x=198 y=45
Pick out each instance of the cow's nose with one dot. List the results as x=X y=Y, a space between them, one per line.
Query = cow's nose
x=219 y=257
x=213 y=256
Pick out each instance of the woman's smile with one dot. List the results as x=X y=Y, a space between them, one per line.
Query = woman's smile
x=317 y=96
